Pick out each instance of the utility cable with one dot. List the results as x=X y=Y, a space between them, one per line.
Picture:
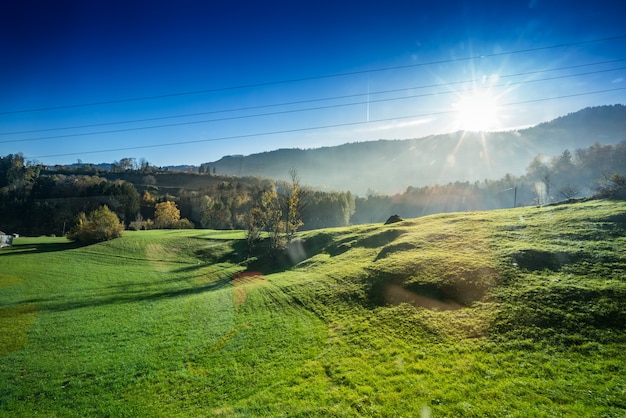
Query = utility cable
x=310 y=109
x=350 y=73
x=326 y=99
x=178 y=143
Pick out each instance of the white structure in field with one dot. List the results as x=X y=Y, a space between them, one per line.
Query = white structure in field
x=5 y=240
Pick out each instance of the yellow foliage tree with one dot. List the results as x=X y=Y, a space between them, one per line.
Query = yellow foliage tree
x=166 y=215
x=100 y=225
x=147 y=197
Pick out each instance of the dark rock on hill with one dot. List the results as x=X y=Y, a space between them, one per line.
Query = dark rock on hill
x=393 y=219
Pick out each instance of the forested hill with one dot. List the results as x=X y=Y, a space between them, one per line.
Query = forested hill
x=390 y=166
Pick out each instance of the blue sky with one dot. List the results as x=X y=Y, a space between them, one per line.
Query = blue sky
x=245 y=77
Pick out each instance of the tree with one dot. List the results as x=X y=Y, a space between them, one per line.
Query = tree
x=13 y=171
x=565 y=162
x=539 y=173
x=537 y=169
x=147 y=198
x=206 y=209
x=331 y=209
x=255 y=223
x=166 y=215
x=273 y=221
x=266 y=215
x=547 y=181
x=612 y=186
x=126 y=163
x=294 y=217
x=125 y=199
x=100 y=225
x=568 y=191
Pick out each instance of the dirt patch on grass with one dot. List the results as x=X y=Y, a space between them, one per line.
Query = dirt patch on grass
x=15 y=322
x=7 y=280
x=244 y=280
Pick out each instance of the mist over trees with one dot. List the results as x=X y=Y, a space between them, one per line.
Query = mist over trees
x=389 y=166
x=547 y=180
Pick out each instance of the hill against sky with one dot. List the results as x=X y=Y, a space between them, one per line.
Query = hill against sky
x=389 y=166
x=187 y=82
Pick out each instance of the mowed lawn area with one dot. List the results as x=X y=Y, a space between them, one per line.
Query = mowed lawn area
x=504 y=313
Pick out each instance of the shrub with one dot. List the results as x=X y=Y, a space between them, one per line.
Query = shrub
x=139 y=223
x=183 y=224
x=612 y=187
x=100 y=225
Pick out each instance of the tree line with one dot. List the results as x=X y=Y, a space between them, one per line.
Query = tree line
x=36 y=200
x=596 y=170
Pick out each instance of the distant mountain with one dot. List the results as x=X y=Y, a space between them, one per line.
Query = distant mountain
x=389 y=166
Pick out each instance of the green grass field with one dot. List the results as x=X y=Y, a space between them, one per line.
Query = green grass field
x=505 y=313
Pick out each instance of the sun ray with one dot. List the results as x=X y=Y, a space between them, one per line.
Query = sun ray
x=477 y=111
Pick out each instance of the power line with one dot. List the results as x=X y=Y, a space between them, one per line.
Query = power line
x=350 y=73
x=313 y=101
x=314 y=127
x=405 y=97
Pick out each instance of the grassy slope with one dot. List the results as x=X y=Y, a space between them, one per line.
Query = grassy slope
x=516 y=312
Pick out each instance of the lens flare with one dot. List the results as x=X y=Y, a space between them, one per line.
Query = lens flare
x=477 y=111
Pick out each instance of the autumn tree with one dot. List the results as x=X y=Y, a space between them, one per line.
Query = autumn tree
x=147 y=198
x=101 y=224
x=127 y=163
x=166 y=215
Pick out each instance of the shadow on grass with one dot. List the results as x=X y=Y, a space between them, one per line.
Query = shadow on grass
x=261 y=259
x=264 y=261
x=380 y=239
x=236 y=254
x=17 y=249
x=64 y=303
x=233 y=252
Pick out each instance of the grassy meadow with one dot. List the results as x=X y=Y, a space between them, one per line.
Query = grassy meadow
x=514 y=312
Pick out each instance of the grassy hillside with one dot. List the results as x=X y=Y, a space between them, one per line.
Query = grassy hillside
x=505 y=313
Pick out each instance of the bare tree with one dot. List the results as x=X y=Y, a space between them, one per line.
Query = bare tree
x=568 y=191
x=294 y=215
x=612 y=186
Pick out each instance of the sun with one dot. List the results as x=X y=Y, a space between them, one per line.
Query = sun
x=477 y=111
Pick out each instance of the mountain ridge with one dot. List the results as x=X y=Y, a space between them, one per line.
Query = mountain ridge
x=390 y=165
